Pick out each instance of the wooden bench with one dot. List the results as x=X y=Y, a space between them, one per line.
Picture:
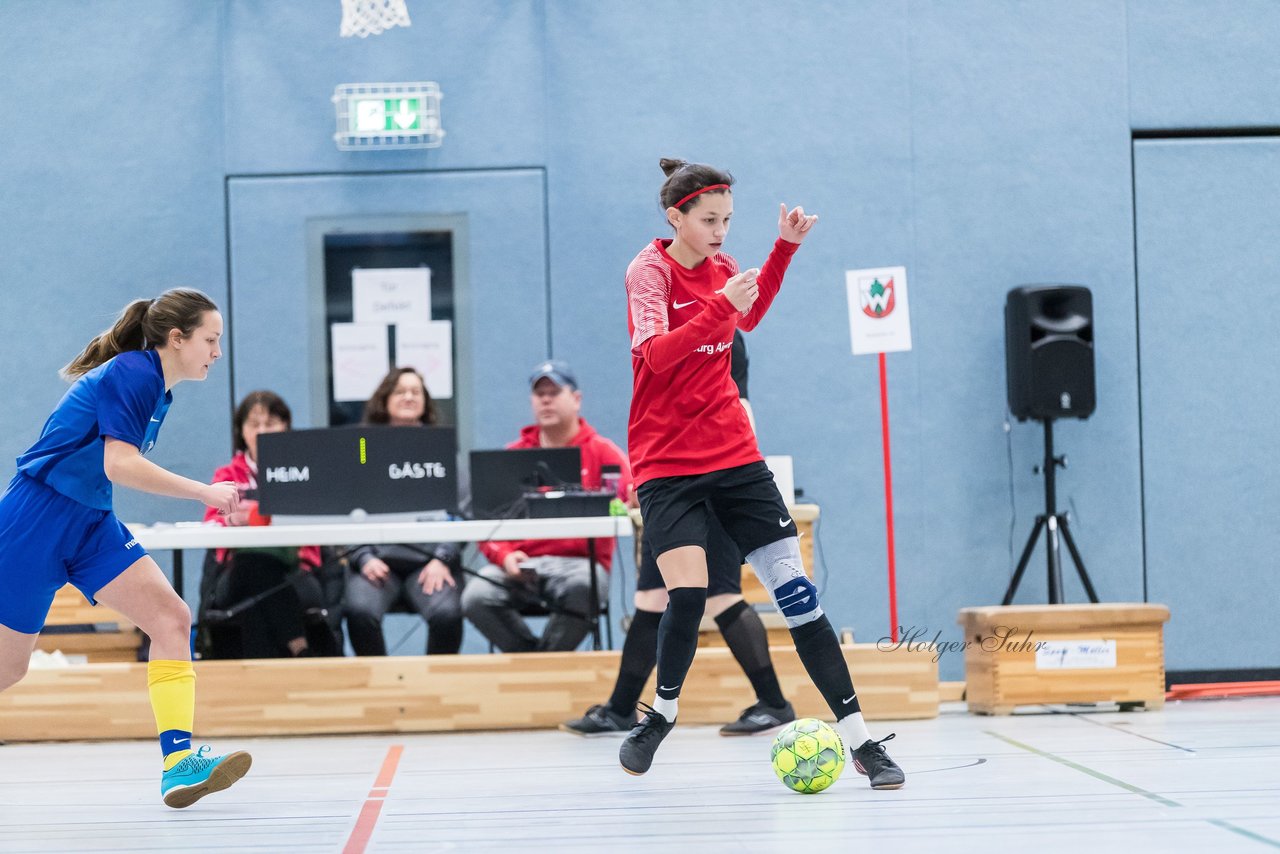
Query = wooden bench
x=78 y=628
x=437 y=693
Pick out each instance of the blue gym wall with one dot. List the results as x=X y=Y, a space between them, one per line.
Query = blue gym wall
x=983 y=145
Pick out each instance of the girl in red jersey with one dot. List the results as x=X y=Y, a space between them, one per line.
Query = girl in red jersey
x=694 y=455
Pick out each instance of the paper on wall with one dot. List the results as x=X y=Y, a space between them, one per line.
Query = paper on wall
x=359 y=359
x=391 y=295
x=428 y=347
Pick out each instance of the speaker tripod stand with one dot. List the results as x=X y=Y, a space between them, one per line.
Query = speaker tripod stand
x=1054 y=522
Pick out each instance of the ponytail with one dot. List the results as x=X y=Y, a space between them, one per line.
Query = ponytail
x=143 y=325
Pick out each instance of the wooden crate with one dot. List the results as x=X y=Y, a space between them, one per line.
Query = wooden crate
x=78 y=628
x=1036 y=654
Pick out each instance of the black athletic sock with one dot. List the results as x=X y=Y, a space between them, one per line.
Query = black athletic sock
x=639 y=655
x=678 y=638
x=819 y=650
x=749 y=643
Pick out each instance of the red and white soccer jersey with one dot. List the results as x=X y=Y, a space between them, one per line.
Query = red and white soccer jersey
x=685 y=415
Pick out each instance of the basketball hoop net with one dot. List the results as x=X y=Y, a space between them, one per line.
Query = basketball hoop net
x=369 y=17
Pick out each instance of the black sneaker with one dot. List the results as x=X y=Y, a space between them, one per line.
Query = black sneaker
x=760 y=718
x=636 y=753
x=872 y=761
x=599 y=720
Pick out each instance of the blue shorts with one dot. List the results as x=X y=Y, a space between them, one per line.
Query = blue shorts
x=47 y=540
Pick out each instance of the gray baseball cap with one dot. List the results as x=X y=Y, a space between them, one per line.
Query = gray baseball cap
x=555 y=370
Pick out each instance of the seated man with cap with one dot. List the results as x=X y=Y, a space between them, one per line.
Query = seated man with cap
x=562 y=579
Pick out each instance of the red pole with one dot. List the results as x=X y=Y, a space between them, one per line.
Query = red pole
x=888 y=502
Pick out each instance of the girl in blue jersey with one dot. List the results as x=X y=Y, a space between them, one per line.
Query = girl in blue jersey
x=57 y=525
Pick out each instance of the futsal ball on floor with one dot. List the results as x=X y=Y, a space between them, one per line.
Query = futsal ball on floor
x=808 y=755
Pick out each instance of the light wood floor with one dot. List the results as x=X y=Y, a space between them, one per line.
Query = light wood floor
x=1196 y=776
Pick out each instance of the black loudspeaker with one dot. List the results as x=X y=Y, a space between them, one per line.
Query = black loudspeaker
x=1048 y=343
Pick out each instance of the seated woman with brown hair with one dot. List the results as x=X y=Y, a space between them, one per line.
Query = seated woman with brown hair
x=422 y=576
x=275 y=627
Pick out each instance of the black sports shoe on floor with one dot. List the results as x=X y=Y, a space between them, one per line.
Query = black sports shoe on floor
x=636 y=753
x=872 y=761
x=599 y=720
x=760 y=718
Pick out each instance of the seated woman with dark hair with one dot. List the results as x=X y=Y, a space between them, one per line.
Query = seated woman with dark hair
x=418 y=575
x=275 y=627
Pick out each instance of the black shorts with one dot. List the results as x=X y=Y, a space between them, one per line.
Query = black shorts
x=724 y=564
x=744 y=500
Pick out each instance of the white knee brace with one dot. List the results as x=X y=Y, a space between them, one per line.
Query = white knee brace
x=781 y=570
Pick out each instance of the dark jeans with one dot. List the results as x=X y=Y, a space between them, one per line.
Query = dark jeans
x=366 y=604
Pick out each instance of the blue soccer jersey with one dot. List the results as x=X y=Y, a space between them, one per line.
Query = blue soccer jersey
x=125 y=399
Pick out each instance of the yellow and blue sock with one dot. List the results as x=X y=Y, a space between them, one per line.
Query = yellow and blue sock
x=172 y=685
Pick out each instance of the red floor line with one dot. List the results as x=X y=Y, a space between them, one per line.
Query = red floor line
x=389 y=767
x=368 y=819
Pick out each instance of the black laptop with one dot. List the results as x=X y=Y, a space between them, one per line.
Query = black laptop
x=500 y=479
x=374 y=468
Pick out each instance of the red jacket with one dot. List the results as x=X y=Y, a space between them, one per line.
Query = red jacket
x=239 y=471
x=596 y=451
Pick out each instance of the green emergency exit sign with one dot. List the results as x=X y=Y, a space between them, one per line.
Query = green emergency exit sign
x=387 y=115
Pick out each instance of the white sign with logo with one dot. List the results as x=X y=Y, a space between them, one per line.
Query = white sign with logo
x=391 y=294
x=428 y=347
x=879 y=321
x=1076 y=655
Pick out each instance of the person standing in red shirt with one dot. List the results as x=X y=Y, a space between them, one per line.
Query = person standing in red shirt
x=561 y=568
x=695 y=457
x=739 y=624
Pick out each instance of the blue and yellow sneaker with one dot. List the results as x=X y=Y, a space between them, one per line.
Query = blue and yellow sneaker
x=198 y=775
